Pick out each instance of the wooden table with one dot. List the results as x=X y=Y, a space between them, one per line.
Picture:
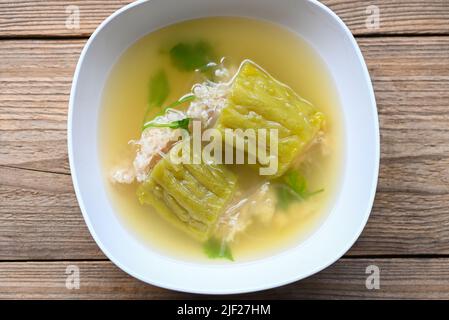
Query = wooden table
x=42 y=231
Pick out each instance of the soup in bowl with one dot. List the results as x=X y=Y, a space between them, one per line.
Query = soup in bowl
x=223 y=140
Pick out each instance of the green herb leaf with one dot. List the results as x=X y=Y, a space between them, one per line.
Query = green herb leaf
x=285 y=196
x=293 y=187
x=159 y=89
x=215 y=248
x=189 y=57
x=182 y=100
x=158 y=92
x=296 y=182
x=178 y=124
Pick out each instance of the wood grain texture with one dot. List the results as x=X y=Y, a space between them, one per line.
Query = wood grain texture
x=41 y=227
x=38 y=207
x=24 y=18
x=346 y=279
x=40 y=218
x=35 y=80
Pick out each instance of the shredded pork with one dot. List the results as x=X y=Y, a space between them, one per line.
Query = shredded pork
x=210 y=99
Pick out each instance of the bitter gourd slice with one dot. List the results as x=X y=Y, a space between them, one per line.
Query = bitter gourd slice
x=189 y=196
x=258 y=101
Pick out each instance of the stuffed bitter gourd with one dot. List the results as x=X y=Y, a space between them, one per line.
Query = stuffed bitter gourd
x=190 y=196
x=258 y=101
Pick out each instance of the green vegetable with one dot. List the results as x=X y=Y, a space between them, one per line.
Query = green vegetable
x=158 y=92
x=296 y=182
x=181 y=124
x=191 y=197
x=215 y=248
x=190 y=57
x=159 y=89
x=293 y=187
x=285 y=196
x=258 y=101
x=182 y=100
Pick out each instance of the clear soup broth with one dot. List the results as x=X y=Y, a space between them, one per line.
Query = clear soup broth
x=287 y=58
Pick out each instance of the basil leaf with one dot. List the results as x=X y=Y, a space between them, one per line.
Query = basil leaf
x=215 y=248
x=190 y=57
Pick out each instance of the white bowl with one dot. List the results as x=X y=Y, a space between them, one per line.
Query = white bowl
x=332 y=40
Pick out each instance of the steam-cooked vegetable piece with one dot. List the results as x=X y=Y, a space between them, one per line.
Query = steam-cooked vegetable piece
x=258 y=101
x=190 y=196
x=292 y=187
x=216 y=248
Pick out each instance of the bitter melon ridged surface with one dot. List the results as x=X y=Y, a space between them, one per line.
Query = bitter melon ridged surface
x=190 y=196
x=258 y=101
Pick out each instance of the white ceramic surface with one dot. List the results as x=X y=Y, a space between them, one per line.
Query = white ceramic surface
x=331 y=38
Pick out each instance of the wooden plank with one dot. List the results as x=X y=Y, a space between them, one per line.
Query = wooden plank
x=410 y=77
x=23 y=18
x=396 y=17
x=410 y=216
x=346 y=279
x=35 y=77
x=40 y=218
x=411 y=82
x=39 y=209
